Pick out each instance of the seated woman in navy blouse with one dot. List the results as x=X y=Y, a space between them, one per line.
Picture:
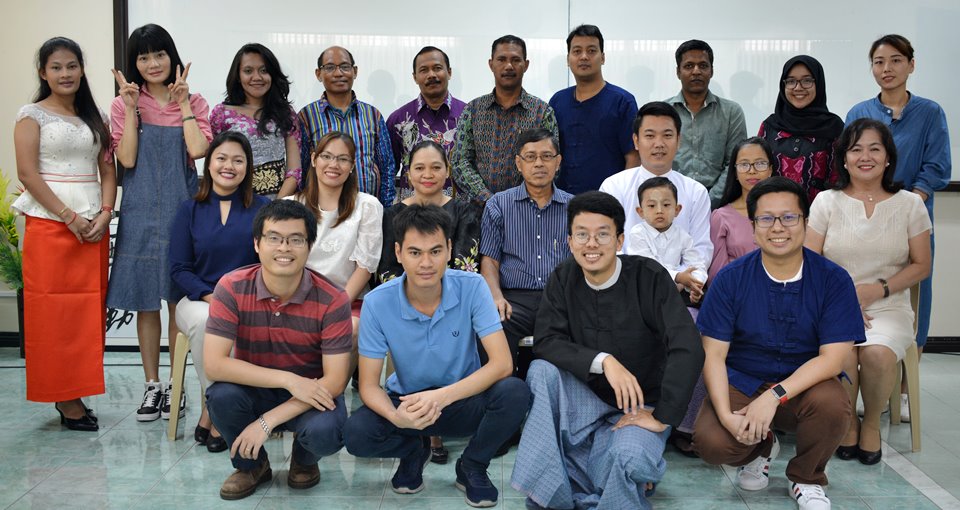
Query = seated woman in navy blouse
x=212 y=235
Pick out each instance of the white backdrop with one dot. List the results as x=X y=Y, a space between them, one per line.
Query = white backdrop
x=751 y=41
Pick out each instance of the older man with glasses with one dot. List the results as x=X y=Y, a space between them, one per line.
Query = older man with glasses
x=339 y=110
x=523 y=237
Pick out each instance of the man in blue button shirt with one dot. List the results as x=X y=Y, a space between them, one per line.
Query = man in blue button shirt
x=523 y=236
x=426 y=320
x=777 y=325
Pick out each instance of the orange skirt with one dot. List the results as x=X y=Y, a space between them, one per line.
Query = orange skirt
x=64 y=312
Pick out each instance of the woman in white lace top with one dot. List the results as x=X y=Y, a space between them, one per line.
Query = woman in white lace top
x=880 y=234
x=70 y=187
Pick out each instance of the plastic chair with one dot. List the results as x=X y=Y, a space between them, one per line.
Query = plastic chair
x=911 y=365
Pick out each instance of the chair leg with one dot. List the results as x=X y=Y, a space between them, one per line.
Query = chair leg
x=177 y=372
x=912 y=362
x=895 y=396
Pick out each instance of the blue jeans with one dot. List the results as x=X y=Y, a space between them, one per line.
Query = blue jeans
x=234 y=406
x=490 y=417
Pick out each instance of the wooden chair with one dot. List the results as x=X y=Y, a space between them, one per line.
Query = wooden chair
x=911 y=365
x=177 y=372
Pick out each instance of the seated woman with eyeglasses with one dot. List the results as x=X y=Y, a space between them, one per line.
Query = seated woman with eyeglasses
x=879 y=233
x=730 y=230
x=212 y=235
x=349 y=240
x=801 y=131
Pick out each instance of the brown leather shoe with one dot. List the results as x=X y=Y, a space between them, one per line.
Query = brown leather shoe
x=242 y=483
x=302 y=477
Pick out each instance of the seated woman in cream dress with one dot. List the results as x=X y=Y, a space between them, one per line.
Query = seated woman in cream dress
x=881 y=235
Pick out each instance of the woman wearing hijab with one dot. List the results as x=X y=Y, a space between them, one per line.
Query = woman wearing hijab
x=801 y=131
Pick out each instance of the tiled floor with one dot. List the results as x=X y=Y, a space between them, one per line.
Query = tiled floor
x=132 y=465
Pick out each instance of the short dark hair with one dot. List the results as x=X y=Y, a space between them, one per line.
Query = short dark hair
x=656 y=182
x=535 y=135
x=426 y=219
x=281 y=210
x=597 y=202
x=694 y=45
x=850 y=136
x=732 y=189
x=776 y=184
x=508 y=39
x=585 y=31
x=656 y=109
x=428 y=49
x=320 y=58
x=148 y=39
x=901 y=43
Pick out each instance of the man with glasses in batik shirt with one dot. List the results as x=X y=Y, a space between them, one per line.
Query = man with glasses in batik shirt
x=617 y=359
x=339 y=110
x=522 y=238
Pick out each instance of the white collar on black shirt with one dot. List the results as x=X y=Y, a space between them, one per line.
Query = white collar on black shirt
x=612 y=280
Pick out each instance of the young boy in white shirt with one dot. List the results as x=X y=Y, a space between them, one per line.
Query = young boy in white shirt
x=658 y=238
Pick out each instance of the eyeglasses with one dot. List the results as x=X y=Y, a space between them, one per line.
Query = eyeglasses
x=805 y=83
x=295 y=241
x=530 y=157
x=330 y=158
x=603 y=238
x=331 y=68
x=759 y=166
x=786 y=220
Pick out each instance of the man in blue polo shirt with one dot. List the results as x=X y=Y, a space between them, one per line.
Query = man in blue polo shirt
x=595 y=118
x=426 y=320
x=777 y=325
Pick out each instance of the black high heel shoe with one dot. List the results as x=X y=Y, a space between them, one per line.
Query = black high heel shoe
x=216 y=444
x=84 y=424
x=847 y=452
x=869 y=458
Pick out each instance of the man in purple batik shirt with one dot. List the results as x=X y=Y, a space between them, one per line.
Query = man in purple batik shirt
x=431 y=116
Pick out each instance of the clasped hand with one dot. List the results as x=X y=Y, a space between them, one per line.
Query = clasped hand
x=751 y=424
x=420 y=410
x=312 y=392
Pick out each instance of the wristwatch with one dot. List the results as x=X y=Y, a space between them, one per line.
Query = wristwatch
x=780 y=393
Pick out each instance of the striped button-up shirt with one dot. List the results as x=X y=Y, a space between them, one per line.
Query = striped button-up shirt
x=366 y=125
x=483 y=160
x=527 y=241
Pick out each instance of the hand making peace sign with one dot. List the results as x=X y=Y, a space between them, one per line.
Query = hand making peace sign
x=130 y=92
x=179 y=89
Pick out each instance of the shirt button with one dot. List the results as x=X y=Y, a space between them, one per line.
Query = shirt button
x=796 y=149
x=538 y=237
x=538 y=257
x=277 y=314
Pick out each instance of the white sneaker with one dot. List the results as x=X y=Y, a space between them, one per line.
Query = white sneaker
x=150 y=406
x=165 y=402
x=809 y=496
x=756 y=475
x=904 y=408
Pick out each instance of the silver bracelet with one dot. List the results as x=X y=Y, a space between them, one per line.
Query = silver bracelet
x=266 y=428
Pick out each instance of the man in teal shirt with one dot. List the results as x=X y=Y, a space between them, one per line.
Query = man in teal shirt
x=712 y=125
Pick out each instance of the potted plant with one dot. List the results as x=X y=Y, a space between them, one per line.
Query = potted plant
x=11 y=260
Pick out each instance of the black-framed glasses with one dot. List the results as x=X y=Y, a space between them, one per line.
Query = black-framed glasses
x=760 y=166
x=530 y=157
x=786 y=220
x=603 y=238
x=805 y=83
x=331 y=68
x=295 y=241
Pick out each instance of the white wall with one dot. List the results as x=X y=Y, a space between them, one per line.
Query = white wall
x=751 y=41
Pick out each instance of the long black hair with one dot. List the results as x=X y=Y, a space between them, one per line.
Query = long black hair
x=147 y=39
x=733 y=189
x=83 y=102
x=276 y=105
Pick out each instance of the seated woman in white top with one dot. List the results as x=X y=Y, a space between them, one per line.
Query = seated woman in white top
x=880 y=234
x=349 y=232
